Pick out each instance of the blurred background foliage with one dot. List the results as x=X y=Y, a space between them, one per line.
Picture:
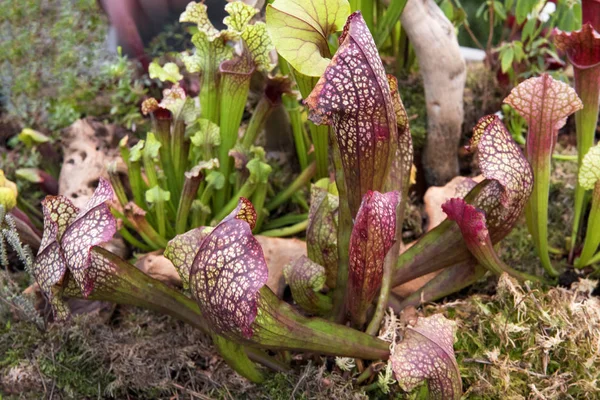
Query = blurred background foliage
x=55 y=66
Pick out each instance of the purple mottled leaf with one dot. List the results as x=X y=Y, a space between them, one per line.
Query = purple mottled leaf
x=472 y=224
x=92 y=226
x=470 y=220
x=182 y=250
x=502 y=162
x=399 y=178
x=502 y=195
x=545 y=104
x=582 y=46
x=426 y=353
x=228 y=272
x=306 y=279
x=354 y=96
x=321 y=233
x=372 y=236
x=69 y=234
x=50 y=265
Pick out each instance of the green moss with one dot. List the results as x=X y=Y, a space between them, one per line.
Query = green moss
x=525 y=341
x=413 y=96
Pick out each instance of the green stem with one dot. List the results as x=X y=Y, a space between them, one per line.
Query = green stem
x=162 y=130
x=235 y=356
x=138 y=186
x=280 y=327
x=245 y=191
x=593 y=260
x=286 y=220
x=319 y=133
x=117 y=184
x=389 y=20
x=287 y=231
x=345 y=225
x=147 y=232
x=234 y=94
x=450 y=280
x=592 y=237
x=179 y=157
x=261 y=112
x=258 y=200
x=386 y=286
x=209 y=96
x=298 y=183
x=587 y=86
x=190 y=191
x=536 y=213
x=294 y=113
x=366 y=8
x=565 y=157
x=131 y=221
x=133 y=241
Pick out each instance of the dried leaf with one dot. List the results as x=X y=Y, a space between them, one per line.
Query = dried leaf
x=426 y=353
x=354 y=96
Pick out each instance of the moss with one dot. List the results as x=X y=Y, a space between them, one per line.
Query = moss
x=413 y=96
x=525 y=342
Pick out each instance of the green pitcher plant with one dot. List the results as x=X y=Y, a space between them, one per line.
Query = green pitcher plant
x=341 y=288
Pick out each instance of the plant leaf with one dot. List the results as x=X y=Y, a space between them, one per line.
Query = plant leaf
x=207 y=134
x=300 y=30
x=8 y=193
x=589 y=173
x=400 y=172
x=50 y=265
x=228 y=272
x=196 y=13
x=372 y=236
x=182 y=107
x=501 y=162
x=472 y=224
x=545 y=104
x=93 y=225
x=259 y=170
x=426 y=353
x=354 y=96
x=182 y=250
x=210 y=53
x=239 y=17
x=582 y=46
x=502 y=196
x=306 y=279
x=30 y=137
x=157 y=194
x=167 y=73
x=321 y=232
x=259 y=45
